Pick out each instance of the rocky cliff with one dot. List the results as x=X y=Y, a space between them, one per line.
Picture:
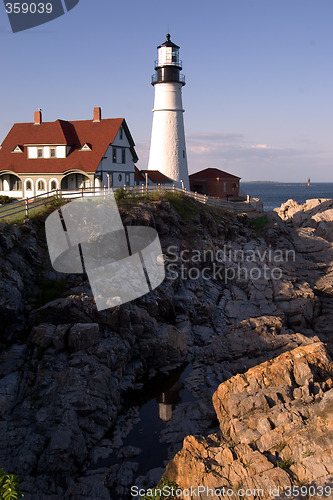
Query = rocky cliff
x=276 y=419
x=276 y=423
x=239 y=293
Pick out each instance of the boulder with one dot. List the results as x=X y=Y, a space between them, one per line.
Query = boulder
x=325 y=409
x=42 y=335
x=83 y=335
x=9 y=386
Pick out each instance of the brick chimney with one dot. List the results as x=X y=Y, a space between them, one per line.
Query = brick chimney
x=97 y=115
x=38 y=117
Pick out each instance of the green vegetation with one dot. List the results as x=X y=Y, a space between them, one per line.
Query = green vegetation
x=9 y=486
x=285 y=464
x=162 y=490
x=308 y=453
x=44 y=209
x=4 y=200
x=121 y=194
x=185 y=207
x=260 y=224
x=281 y=445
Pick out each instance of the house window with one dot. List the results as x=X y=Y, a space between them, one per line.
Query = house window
x=52 y=152
x=39 y=152
x=41 y=186
x=123 y=156
x=120 y=133
x=28 y=186
x=127 y=179
x=53 y=185
x=120 y=177
x=114 y=155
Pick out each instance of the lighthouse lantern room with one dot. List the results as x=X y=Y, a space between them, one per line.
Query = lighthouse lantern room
x=168 y=148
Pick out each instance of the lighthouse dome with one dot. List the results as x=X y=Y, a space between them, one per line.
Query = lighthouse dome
x=168 y=43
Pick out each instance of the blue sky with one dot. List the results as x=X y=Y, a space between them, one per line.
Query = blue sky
x=259 y=75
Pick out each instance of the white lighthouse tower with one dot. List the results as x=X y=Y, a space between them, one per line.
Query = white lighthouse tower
x=168 y=148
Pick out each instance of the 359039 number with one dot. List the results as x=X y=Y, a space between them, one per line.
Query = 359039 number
x=28 y=8
x=308 y=491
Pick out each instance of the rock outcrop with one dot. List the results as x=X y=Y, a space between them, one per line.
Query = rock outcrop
x=234 y=299
x=276 y=423
x=316 y=214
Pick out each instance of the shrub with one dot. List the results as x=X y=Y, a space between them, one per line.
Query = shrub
x=121 y=193
x=172 y=486
x=6 y=199
x=9 y=486
x=260 y=224
x=285 y=464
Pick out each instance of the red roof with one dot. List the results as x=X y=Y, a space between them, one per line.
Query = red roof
x=157 y=176
x=99 y=134
x=138 y=175
x=212 y=173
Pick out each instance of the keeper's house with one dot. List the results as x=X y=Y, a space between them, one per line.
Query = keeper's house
x=38 y=157
x=215 y=182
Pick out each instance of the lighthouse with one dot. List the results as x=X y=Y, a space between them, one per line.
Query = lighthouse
x=168 y=148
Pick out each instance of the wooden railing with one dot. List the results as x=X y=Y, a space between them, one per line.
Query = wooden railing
x=28 y=204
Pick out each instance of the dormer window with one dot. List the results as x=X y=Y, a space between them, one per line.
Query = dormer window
x=86 y=147
x=46 y=152
x=18 y=149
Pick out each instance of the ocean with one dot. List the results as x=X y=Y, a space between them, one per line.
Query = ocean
x=273 y=194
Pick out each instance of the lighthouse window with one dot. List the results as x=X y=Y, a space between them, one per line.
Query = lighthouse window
x=175 y=57
x=183 y=153
x=114 y=155
x=123 y=156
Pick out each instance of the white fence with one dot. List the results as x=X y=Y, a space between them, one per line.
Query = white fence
x=28 y=204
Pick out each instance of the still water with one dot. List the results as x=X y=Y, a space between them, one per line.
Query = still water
x=274 y=194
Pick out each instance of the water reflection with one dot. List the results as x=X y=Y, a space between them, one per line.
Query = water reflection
x=168 y=400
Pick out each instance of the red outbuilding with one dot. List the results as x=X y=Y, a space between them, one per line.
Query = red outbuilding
x=215 y=182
